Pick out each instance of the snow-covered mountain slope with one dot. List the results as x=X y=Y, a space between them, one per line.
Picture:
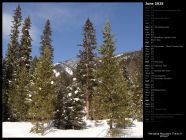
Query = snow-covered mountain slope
x=131 y=62
x=66 y=66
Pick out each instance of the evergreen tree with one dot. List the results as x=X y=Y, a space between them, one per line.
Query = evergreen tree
x=25 y=47
x=31 y=86
x=46 y=39
x=42 y=97
x=112 y=88
x=33 y=65
x=69 y=105
x=41 y=109
x=21 y=92
x=74 y=107
x=62 y=82
x=86 y=66
x=12 y=59
x=5 y=106
x=21 y=84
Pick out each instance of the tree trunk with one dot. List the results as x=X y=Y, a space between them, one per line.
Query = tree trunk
x=93 y=112
x=110 y=123
x=87 y=107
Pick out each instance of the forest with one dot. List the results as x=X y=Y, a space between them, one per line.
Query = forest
x=101 y=87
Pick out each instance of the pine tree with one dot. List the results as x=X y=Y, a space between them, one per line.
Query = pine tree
x=86 y=66
x=41 y=109
x=5 y=108
x=74 y=106
x=46 y=39
x=31 y=86
x=33 y=65
x=62 y=82
x=25 y=47
x=21 y=84
x=42 y=97
x=69 y=104
x=12 y=59
x=21 y=92
x=112 y=88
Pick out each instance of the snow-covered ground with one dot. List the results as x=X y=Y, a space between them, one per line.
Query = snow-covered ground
x=98 y=129
x=136 y=130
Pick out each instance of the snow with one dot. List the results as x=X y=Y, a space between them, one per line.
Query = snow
x=52 y=82
x=21 y=129
x=76 y=99
x=126 y=57
x=93 y=79
x=70 y=94
x=76 y=92
x=93 y=129
x=118 y=55
x=56 y=64
x=56 y=73
x=100 y=81
x=74 y=79
x=28 y=100
x=22 y=57
x=69 y=70
x=135 y=131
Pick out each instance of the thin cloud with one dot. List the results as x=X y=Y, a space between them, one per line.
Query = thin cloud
x=7 y=18
x=65 y=16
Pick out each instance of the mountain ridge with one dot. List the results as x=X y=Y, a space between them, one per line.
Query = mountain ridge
x=131 y=62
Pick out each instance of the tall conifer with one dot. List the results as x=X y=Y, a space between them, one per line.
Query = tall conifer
x=112 y=88
x=12 y=62
x=86 y=65
x=41 y=110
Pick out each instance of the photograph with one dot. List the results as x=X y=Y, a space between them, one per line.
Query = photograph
x=72 y=69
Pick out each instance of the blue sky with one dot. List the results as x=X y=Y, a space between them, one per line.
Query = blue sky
x=67 y=20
